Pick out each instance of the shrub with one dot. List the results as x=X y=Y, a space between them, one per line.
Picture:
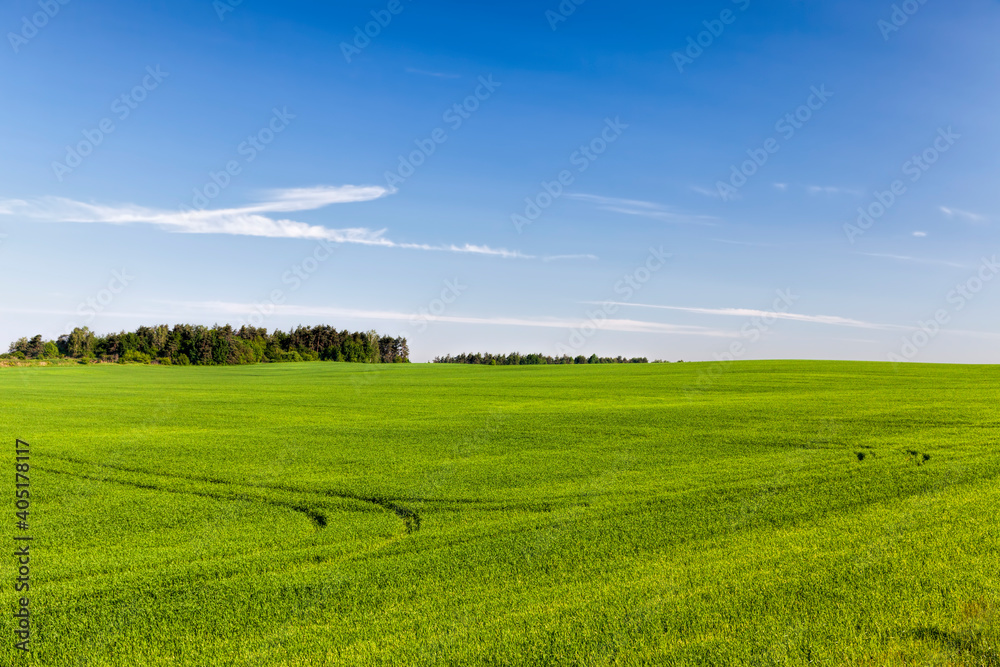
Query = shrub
x=135 y=357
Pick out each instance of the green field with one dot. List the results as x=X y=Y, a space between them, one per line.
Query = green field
x=322 y=514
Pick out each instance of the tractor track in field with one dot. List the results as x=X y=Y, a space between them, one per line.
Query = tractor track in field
x=410 y=518
x=393 y=504
x=317 y=518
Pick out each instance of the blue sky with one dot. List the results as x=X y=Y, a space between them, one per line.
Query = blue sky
x=118 y=116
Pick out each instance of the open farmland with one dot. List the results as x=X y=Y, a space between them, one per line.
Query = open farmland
x=311 y=514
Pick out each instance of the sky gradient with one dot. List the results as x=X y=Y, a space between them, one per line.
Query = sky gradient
x=731 y=179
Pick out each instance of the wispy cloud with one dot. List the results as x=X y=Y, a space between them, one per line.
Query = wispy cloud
x=816 y=190
x=920 y=235
x=616 y=201
x=831 y=320
x=747 y=312
x=439 y=75
x=964 y=215
x=755 y=244
x=556 y=258
x=250 y=220
x=974 y=334
x=219 y=310
x=644 y=208
x=916 y=260
x=831 y=190
x=707 y=192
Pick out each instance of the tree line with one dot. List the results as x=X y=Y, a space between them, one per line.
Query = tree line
x=517 y=359
x=186 y=344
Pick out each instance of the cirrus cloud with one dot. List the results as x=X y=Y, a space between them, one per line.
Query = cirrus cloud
x=262 y=219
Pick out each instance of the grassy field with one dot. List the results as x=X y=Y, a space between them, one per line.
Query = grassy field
x=322 y=514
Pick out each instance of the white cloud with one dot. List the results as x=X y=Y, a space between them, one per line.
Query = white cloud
x=217 y=312
x=615 y=201
x=714 y=194
x=965 y=215
x=248 y=220
x=643 y=208
x=556 y=258
x=747 y=243
x=747 y=312
x=920 y=235
x=815 y=190
x=830 y=190
x=174 y=310
x=917 y=260
x=8 y=206
x=439 y=75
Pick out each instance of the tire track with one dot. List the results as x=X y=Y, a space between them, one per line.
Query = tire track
x=317 y=518
x=396 y=505
x=410 y=518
